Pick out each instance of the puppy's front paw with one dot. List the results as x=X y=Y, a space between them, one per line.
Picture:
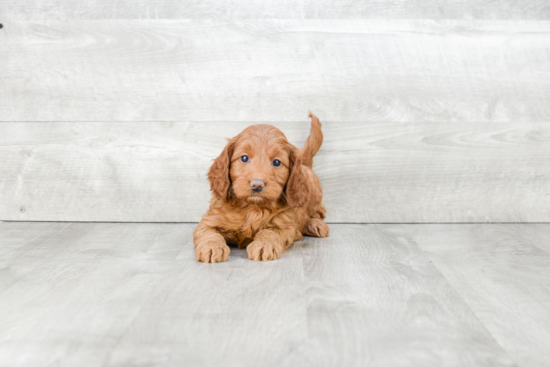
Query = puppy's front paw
x=317 y=228
x=212 y=252
x=264 y=250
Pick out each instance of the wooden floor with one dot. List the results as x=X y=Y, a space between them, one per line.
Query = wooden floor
x=123 y=294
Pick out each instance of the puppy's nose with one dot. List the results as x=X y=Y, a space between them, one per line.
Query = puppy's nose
x=257 y=185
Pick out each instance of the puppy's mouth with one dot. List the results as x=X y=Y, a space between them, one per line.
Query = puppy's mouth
x=255 y=197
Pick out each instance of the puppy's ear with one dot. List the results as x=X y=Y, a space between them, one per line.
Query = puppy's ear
x=297 y=192
x=218 y=174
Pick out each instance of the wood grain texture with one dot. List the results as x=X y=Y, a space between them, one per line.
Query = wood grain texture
x=82 y=290
x=243 y=313
x=370 y=172
x=120 y=294
x=24 y=242
x=275 y=70
x=345 y=9
x=375 y=299
x=503 y=276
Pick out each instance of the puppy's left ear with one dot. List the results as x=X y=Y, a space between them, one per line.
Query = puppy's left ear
x=297 y=192
x=218 y=174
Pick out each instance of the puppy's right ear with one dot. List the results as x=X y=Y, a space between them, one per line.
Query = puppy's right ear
x=218 y=174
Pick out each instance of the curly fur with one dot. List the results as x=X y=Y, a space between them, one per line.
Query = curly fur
x=266 y=223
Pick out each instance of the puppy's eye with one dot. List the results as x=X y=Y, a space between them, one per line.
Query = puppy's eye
x=276 y=162
x=244 y=159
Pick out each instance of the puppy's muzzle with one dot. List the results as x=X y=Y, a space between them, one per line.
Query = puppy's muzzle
x=257 y=185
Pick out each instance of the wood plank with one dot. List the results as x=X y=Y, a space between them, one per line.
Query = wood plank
x=235 y=331
x=275 y=70
x=370 y=171
x=345 y=9
x=21 y=240
x=240 y=313
x=538 y=235
x=74 y=306
x=374 y=298
x=502 y=277
x=123 y=286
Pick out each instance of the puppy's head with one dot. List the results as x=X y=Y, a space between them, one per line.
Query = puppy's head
x=259 y=166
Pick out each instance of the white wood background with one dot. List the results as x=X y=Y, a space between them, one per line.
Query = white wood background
x=112 y=111
x=285 y=9
x=371 y=172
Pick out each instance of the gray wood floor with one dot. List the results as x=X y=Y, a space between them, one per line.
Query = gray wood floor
x=114 y=294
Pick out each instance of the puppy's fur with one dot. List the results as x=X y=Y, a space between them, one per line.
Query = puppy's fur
x=269 y=221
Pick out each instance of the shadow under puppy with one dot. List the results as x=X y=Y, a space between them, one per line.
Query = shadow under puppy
x=264 y=196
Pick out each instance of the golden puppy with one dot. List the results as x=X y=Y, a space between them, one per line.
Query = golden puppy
x=264 y=196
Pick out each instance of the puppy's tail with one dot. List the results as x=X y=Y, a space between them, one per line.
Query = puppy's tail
x=313 y=142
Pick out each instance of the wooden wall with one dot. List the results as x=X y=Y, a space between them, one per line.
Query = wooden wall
x=113 y=111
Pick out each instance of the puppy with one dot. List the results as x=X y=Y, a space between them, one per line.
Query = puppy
x=265 y=196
